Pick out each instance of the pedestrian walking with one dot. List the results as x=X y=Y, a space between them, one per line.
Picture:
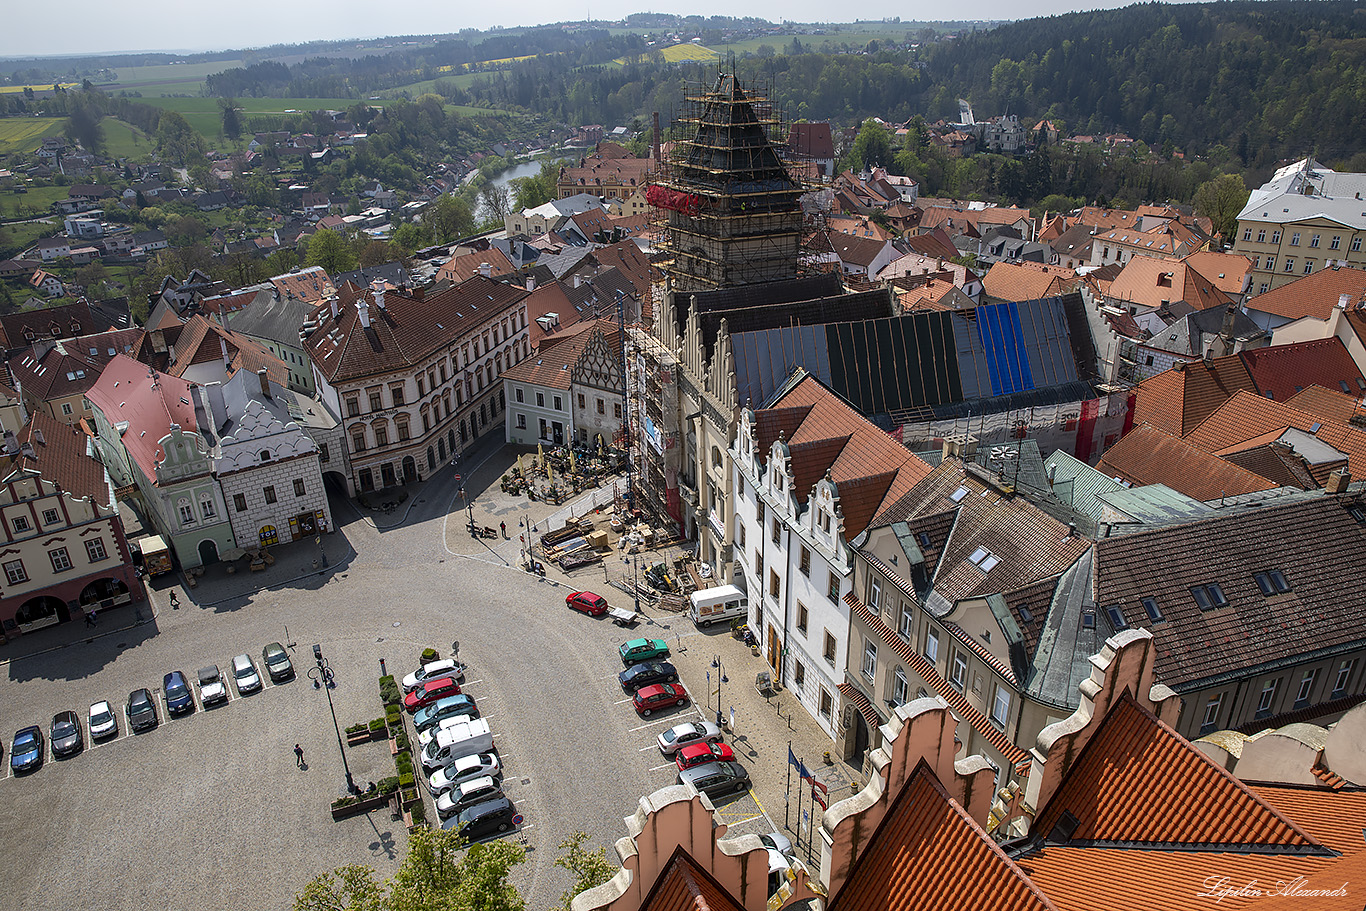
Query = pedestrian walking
x=298 y=756
x=92 y=619
x=504 y=527
x=175 y=602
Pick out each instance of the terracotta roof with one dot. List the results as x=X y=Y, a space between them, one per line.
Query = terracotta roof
x=202 y=341
x=466 y=265
x=553 y=365
x=63 y=456
x=684 y=885
x=1333 y=821
x=1147 y=455
x=856 y=250
x=871 y=470
x=1152 y=281
x=1178 y=399
x=1277 y=462
x=1226 y=271
x=1247 y=416
x=1167 y=239
x=1314 y=295
x=1328 y=403
x=406 y=331
x=1026 y=281
x=69 y=367
x=1282 y=371
x=1139 y=782
x=1193 y=645
x=928 y=853
x=63 y=321
x=305 y=284
x=149 y=403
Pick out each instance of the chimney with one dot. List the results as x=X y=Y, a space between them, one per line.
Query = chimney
x=1343 y=301
x=335 y=305
x=227 y=360
x=1338 y=481
x=530 y=283
x=578 y=280
x=265 y=382
x=363 y=311
x=486 y=270
x=38 y=435
x=377 y=287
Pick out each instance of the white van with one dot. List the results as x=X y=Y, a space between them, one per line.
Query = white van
x=715 y=605
x=456 y=741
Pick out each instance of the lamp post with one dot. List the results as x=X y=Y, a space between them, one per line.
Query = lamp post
x=720 y=679
x=469 y=505
x=322 y=555
x=321 y=675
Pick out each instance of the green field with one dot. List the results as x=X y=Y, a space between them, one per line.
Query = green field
x=119 y=140
x=461 y=80
x=24 y=134
x=169 y=78
x=203 y=113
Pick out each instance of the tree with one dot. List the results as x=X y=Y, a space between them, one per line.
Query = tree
x=412 y=236
x=495 y=201
x=282 y=261
x=590 y=868
x=449 y=217
x=232 y=119
x=1220 y=200
x=377 y=253
x=434 y=876
x=872 y=146
x=330 y=250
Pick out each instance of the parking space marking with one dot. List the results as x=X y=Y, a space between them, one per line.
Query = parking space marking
x=653 y=746
x=672 y=719
x=623 y=701
x=667 y=765
x=737 y=822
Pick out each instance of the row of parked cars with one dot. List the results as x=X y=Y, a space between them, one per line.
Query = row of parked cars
x=463 y=770
x=27 y=750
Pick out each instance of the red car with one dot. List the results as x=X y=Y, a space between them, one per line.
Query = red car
x=430 y=692
x=588 y=603
x=651 y=699
x=702 y=753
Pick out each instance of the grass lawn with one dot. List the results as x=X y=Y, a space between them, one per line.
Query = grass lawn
x=203 y=113
x=24 y=134
x=119 y=140
x=167 y=78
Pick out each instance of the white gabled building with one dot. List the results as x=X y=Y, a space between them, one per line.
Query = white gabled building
x=809 y=475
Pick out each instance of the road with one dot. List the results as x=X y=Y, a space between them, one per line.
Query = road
x=175 y=816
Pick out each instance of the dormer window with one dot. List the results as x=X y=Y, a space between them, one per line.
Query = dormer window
x=265 y=455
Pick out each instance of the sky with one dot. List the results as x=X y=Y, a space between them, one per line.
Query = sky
x=101 y=26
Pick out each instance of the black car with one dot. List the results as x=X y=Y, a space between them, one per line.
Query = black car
x=142 y=711
x=716 y=779
x=179 y=698
x=65 y=734
x=647 y=674
x=277 y=662
x=483 y=820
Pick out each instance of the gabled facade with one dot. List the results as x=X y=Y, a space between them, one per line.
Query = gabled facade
x=571 y=389
x=63 y=549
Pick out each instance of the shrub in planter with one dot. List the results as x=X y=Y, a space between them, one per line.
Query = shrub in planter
x=389 y=693
x=405 y=780
x=378 y=725
x=357 y=728
x=388 y=785
x=410 y=798
x=343 y=802
x=429 y=655
x=401 y=741
x=393 y=715
x=403 y=764
x=419 y=813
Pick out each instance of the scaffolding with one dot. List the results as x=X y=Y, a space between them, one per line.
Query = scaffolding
x=728 y=196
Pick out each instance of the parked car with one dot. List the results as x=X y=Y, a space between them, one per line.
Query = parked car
x=103 y=722
x=483 y=819
x=638 y=650
x=142 y=711
x=586 y=603
x=26 y=753
x=777 y=841
x=647 y=673
x=244 y=672
x=463 y=769
x=444 y=708
x=211 y=688
x=277 y=662
x=65 y=734
x=426 y=736
x=703 y=753
x=431 y=691
x=716 y=779
x=681 y=735
x=179 y=699
x=651 y=699
x=467 y=794
x=434 y=670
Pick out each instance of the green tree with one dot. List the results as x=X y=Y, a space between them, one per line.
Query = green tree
x=176 y=139
x=435 y=876
x=590 y=868
x=872 y=146
x=232 y=118
x=282 y=261
x=1220 y=200
x=330 y=250
x=377 y=253
x=450 y=218
x=412 y=236
x=495 y=201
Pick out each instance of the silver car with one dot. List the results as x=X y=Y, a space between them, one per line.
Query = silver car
x=211 y=688
x=434 y=670
x=244 y=672
x=103 y=722
x=464 y=769
x=681 y=735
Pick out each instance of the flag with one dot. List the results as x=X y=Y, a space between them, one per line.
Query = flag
x=820 y=793
x=801 y=769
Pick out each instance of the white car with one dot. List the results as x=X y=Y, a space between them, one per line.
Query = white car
x=464 y=769
x=244 y=672
x=427 y=735
x=434 y=670
x=211 y=688
x=103 y=721
x=680 y=735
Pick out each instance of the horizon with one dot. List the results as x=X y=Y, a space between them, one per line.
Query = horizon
x=100 y=29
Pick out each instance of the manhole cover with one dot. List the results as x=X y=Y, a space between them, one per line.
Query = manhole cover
x=122 y=645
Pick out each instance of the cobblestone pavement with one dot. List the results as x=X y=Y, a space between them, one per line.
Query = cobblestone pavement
x=172 y=817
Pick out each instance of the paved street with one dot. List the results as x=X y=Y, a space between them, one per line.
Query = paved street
x=174 y=817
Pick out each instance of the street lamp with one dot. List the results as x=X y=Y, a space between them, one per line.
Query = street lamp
x=720 y=679
x=469 y=504
x=321 y=675
x=322 y=555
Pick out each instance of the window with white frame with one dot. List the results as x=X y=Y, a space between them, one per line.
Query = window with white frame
x=1344 y=676
x=1000 y=706
x=61 y=560
x=20 y=523
x=932 y=645
x=802 y=618
x=94 y=550
x=906 y=625
x=959 y=675
x=874 y=593
x=14 y=571
x=869 y=660
x=186 y=514
x=1307 y=681
x=827 y=703
x=1268 y=698
x=900 y=688
x=829 y=650
x=50 y=516
x=1211 y=719
x=834 y=591
x=206 y=508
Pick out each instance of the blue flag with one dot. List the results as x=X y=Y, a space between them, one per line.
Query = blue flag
x=801 y=769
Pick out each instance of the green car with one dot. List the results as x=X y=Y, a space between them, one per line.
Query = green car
x=638 y=650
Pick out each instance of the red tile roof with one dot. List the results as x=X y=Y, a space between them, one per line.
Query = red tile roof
x=1147 y=455
x=466 y=265
x=1178 y=399
x=1152 y=281
x=306 y=284
x=553 y=364
x=1327 y=403
x=1027 y=281
x=202 y=341
x=684 y=885
x=1138 y=781
x=62 y=456
x=928 y=854
x=1282 y=371
x=1313 y=295
x=150 y=402
x=1247 y=416
x=1226 y=271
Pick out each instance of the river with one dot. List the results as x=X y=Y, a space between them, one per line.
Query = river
x=504 y=179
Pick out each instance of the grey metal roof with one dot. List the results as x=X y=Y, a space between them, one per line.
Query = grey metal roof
x=271 y=316
x=1154 y=504
x=1062 y=655
x=1078 y=484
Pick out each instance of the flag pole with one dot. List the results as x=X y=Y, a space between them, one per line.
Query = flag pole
x=787 y=801
x=799 y=818
x=811 y=837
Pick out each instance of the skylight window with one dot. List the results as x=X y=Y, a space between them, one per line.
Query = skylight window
x=1116 y=615
x=1208 y=596
x=1152 y=610
x=1088 y=619
x=1025 y=613
x=1272 y=582
x=958 y=494
x=978 y=556
x=990 y=563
